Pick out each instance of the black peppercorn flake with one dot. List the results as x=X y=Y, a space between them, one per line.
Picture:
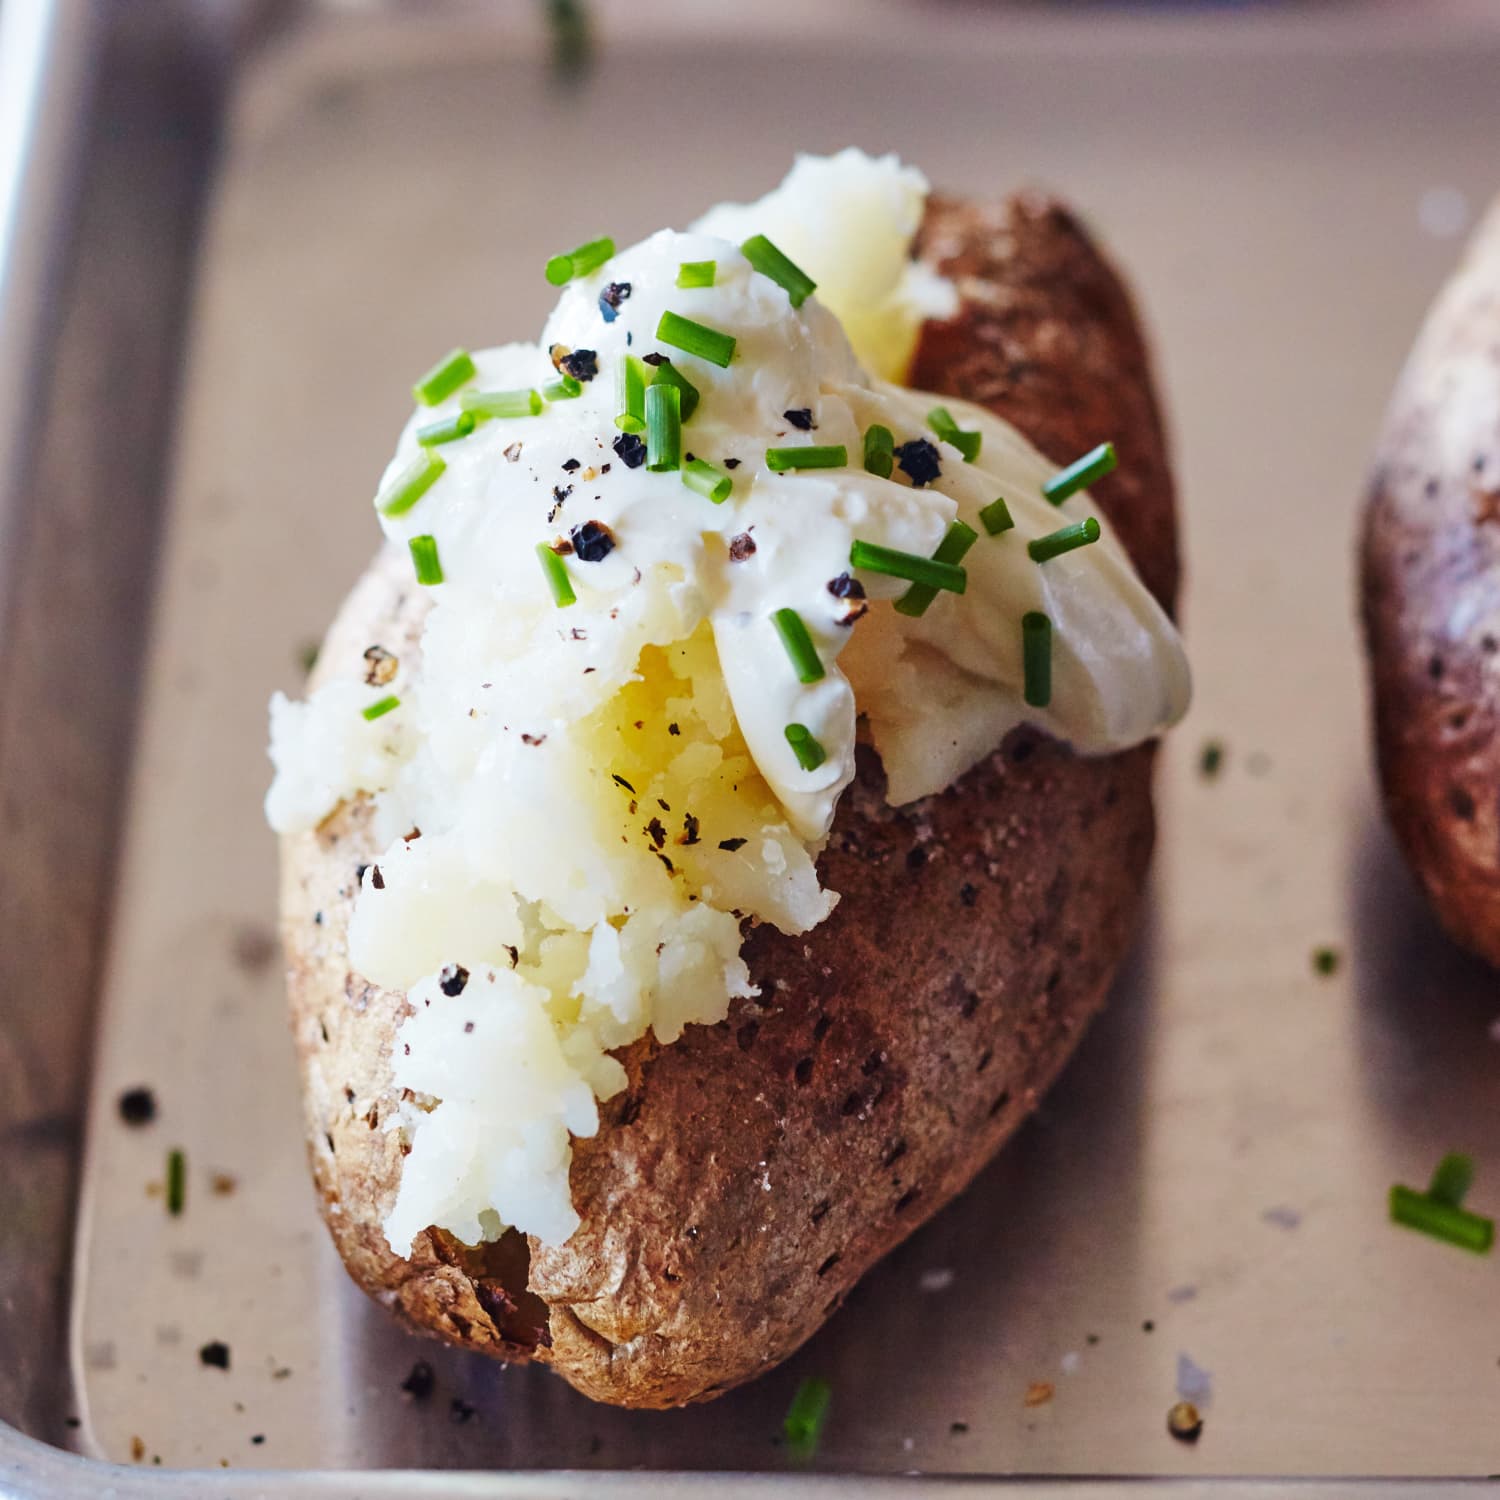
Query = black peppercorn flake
x=380 y=666
x=419 y=1384
x=689 y=829
x=674 y=729
x=581 y=364
x=968 y=894
x=657 y=833
x=621 y=781
x=730 y=845
x=138 y=1106
x=846 y=587
x=460 y=1411
x=570 y=465
x=741 y=547
x=215 y=1355
x=801 y=418
x=377 y=879
x=655 y=358
x=468 y=1028
x=630 y=450
x=611 y=298
x=731 y=463
x=533 y=739
x=453 y=979
x=593 y=541
x=918 y=460
x=513 y=453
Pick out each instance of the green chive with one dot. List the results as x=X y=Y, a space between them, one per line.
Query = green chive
x=940 y=419
x=710 y=482
x=663 y=428
x=1452 y=1180
x=1036 y=657
x=564 y=388
x=908 y=565
x=410 y=485
x=668 y=374
x=1325 y=961
x=880 y=451
x=176 y=1182
x=557 y=576
x=695 y=273
x=1442 y=1221
x=502 y=403
x=1066 y=539
x=449 y=431
x=806 y=1416
x=995 y=517
x=561 y=269
x=827 y=457
x=1210 y=763
x=632 y=395
x=381 y=707
x=799 y=645
x=810 y=754
x=454 y=369
x=424 y=557
x=1081 y=473
x=769 y=261
x=955 y=544
x=696 y=338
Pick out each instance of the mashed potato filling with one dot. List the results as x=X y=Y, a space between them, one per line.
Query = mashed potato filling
x=606 y=788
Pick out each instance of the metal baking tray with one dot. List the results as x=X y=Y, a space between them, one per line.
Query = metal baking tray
x=276 y=214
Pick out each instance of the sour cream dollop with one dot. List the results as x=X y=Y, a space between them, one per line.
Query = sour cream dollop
x=606 y=791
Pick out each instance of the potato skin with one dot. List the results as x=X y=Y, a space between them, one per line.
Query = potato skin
x=891 y=1050
x=1430 y=566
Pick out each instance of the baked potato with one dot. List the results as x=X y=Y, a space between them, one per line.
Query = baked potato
x=751 y=1171
x=1430 y=575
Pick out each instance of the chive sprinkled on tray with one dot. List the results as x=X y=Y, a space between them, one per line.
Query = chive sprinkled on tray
x=410 y=485
x=380 y=707
x=696 y=338
x=448 y=431
x=525 y=403
x=1442 y=1221
x=996 y=517
x=769 y=261
x=807 y=1415
x=826 y=456
x=668 y=374
x=1065 y=539
x=564 y=388
x=424 y=557
x=810 y=754
x=454 y=369
x=557 y=576
x=1036 y=658
x=1325 y=961
x=696 y=273
x=632 y=395
x=710 y=482
x=880 y=451
x=663 y=428
x=1080 y=474
x=1452 y=1180
x=940 y=419
x=955 y=544
x=176 y=1182
x=873 y=558
x=1210 y=763
x=799 y=645
x=561 y=269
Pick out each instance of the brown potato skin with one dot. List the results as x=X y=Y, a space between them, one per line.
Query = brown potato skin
x=891 y=1050
x=1430 y=566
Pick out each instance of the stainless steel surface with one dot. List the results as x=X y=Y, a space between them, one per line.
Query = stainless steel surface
x=1215 y=1162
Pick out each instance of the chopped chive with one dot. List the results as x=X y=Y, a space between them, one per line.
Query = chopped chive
x=955 y=544
x=1210 y=763
x=557 y=576
x=1441 y=1220
x=769 y=261
x=663 y=428
x=880 y=451
x=996 y=517
x=502 y=403
x=632 y=395
x=695 y=273
x=1065 y=539
x=454 y=369
x=424 y=557
x=564 y=388
x=668 y=374
x=810 y=754
x=710 y=482
x=561 y=269
x=381 y=707
x=908 y=565
x=1081 y=473
x=799 y=645
x=176 y=1182
x=1325 y=961
x=940 y=419
x=696 y=338
x=834 y=456
x=448 y=431
x=1452 y=1180
x=807 y=1415
x=1036 y=657
x=410 y=485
